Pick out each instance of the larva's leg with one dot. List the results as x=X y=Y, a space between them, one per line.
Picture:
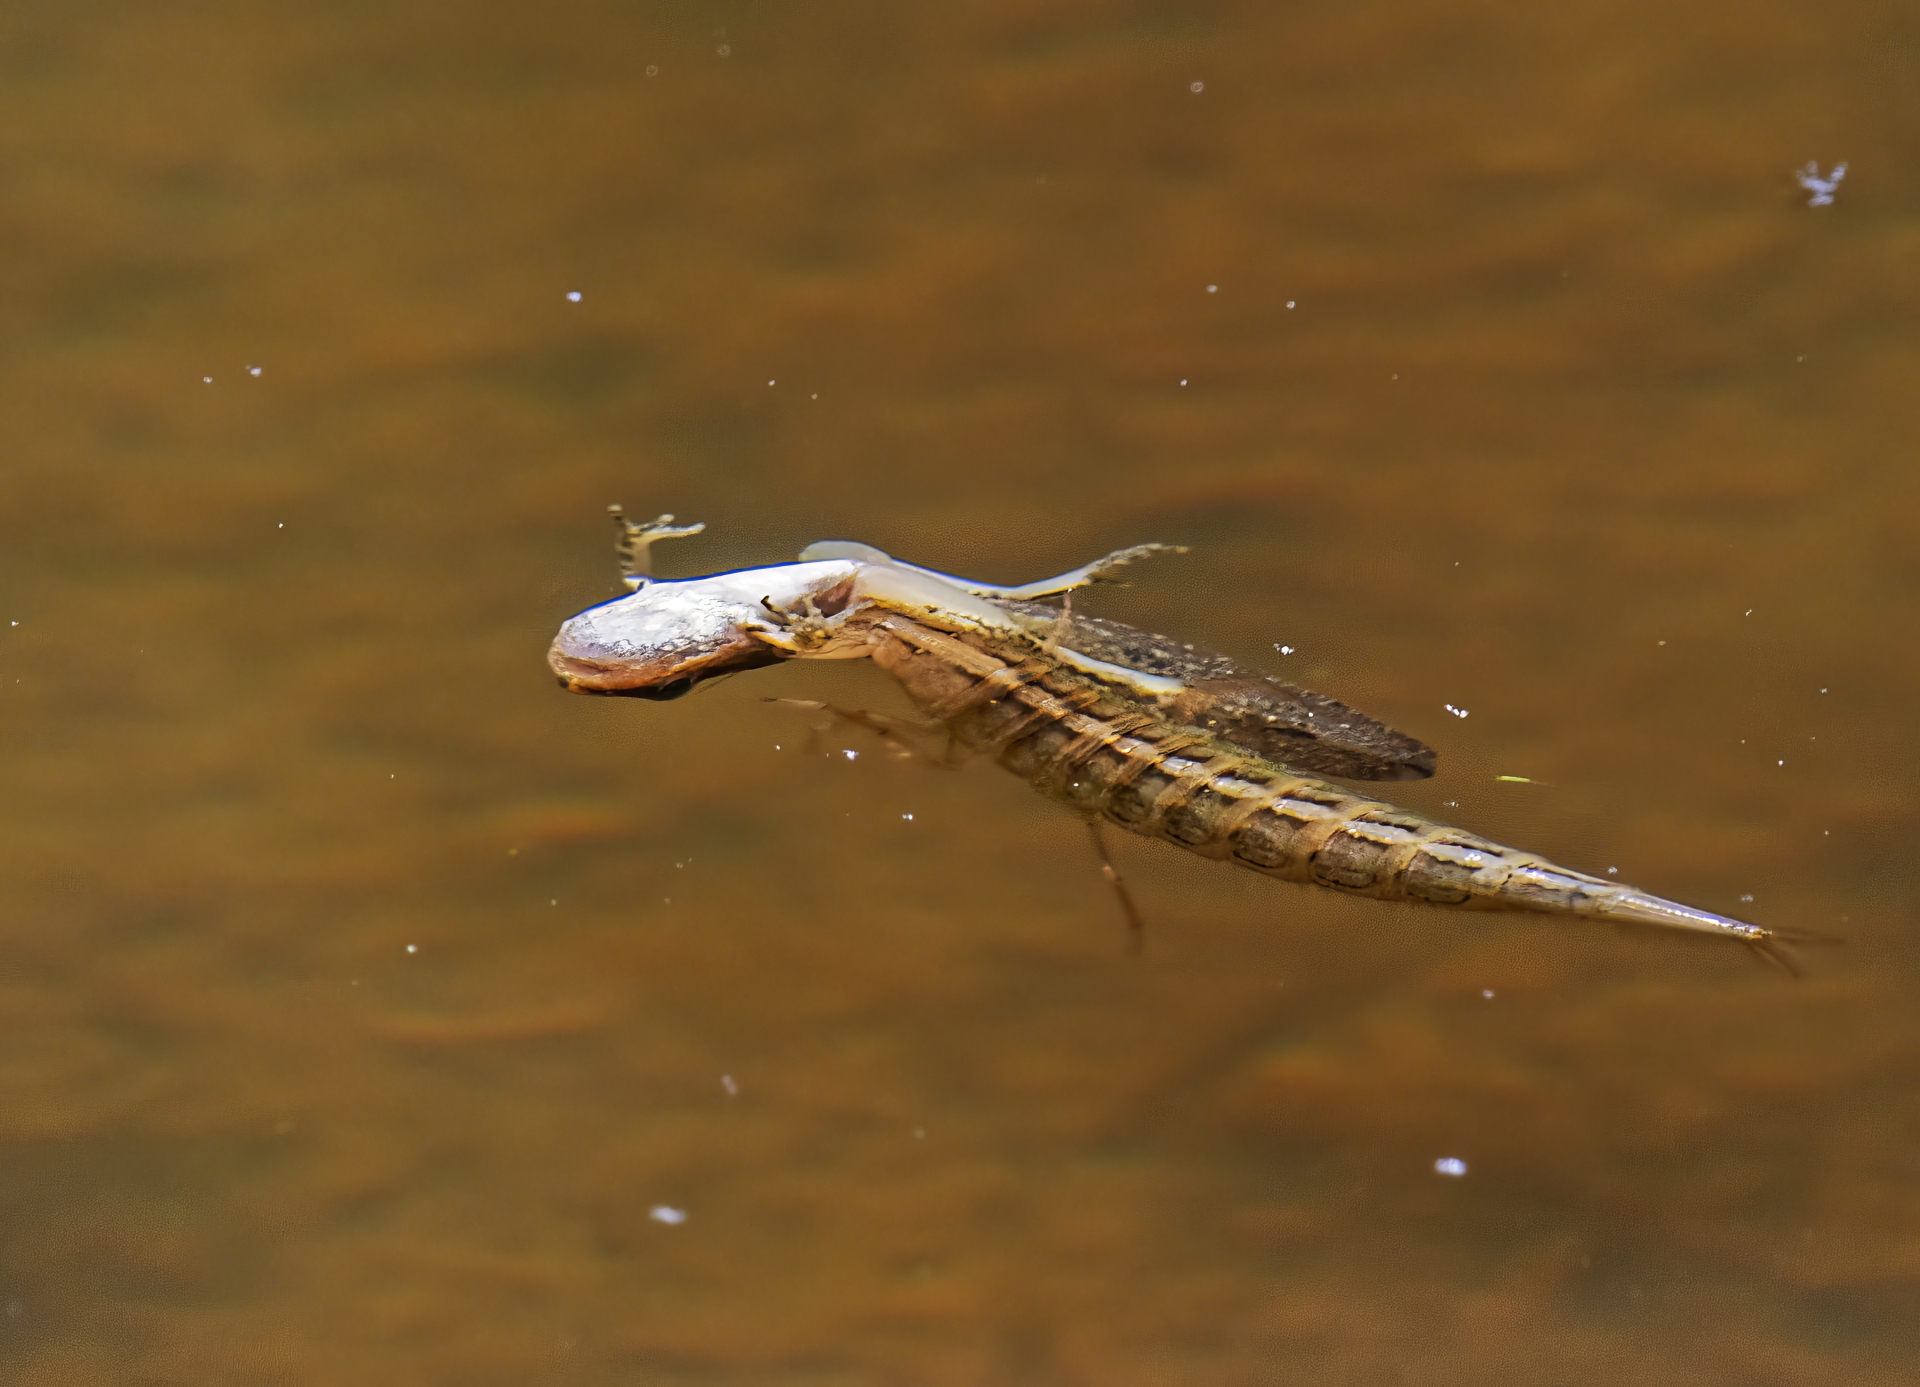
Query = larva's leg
x=889 y=729
x=1136 y=926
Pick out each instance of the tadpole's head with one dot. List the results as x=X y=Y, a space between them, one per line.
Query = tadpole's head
x=661 y=640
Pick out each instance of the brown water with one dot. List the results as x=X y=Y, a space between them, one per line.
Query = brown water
x=361 y=995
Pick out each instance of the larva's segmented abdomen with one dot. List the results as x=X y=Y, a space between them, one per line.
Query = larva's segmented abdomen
x=1185 y=787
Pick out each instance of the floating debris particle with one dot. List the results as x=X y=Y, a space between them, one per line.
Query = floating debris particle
x=1822 y=189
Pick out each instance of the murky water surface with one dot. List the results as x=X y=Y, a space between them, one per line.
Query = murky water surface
x=367 y=1001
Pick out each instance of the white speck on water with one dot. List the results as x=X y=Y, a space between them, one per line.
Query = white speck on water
x=776 y=746
x=726 y=1082
x=207 y=379
x=724 y=51
x=907 y=817
x=1450 y=1165
x=1749 y=611
x=1183 y=382
x=1289 y=303
x=553 y=902
x=852 y=755
x=573 y=296
x=253 y=370
x=666 y=1213
x=413 y=948
x=16 y=623
x=769 y=382
x=652 y=71
x=1613 y=871
x=1780 y=763
x=281 y=525
x=1457 y=712
x=1822 y=189
x=814 y=396
x=1663 y=642
x=1748 y=899
x=1450 y=804
x=1213 y=288
x=1196 y=87
x=1823 y=691
x=1284 y=649
x=1487 y=992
